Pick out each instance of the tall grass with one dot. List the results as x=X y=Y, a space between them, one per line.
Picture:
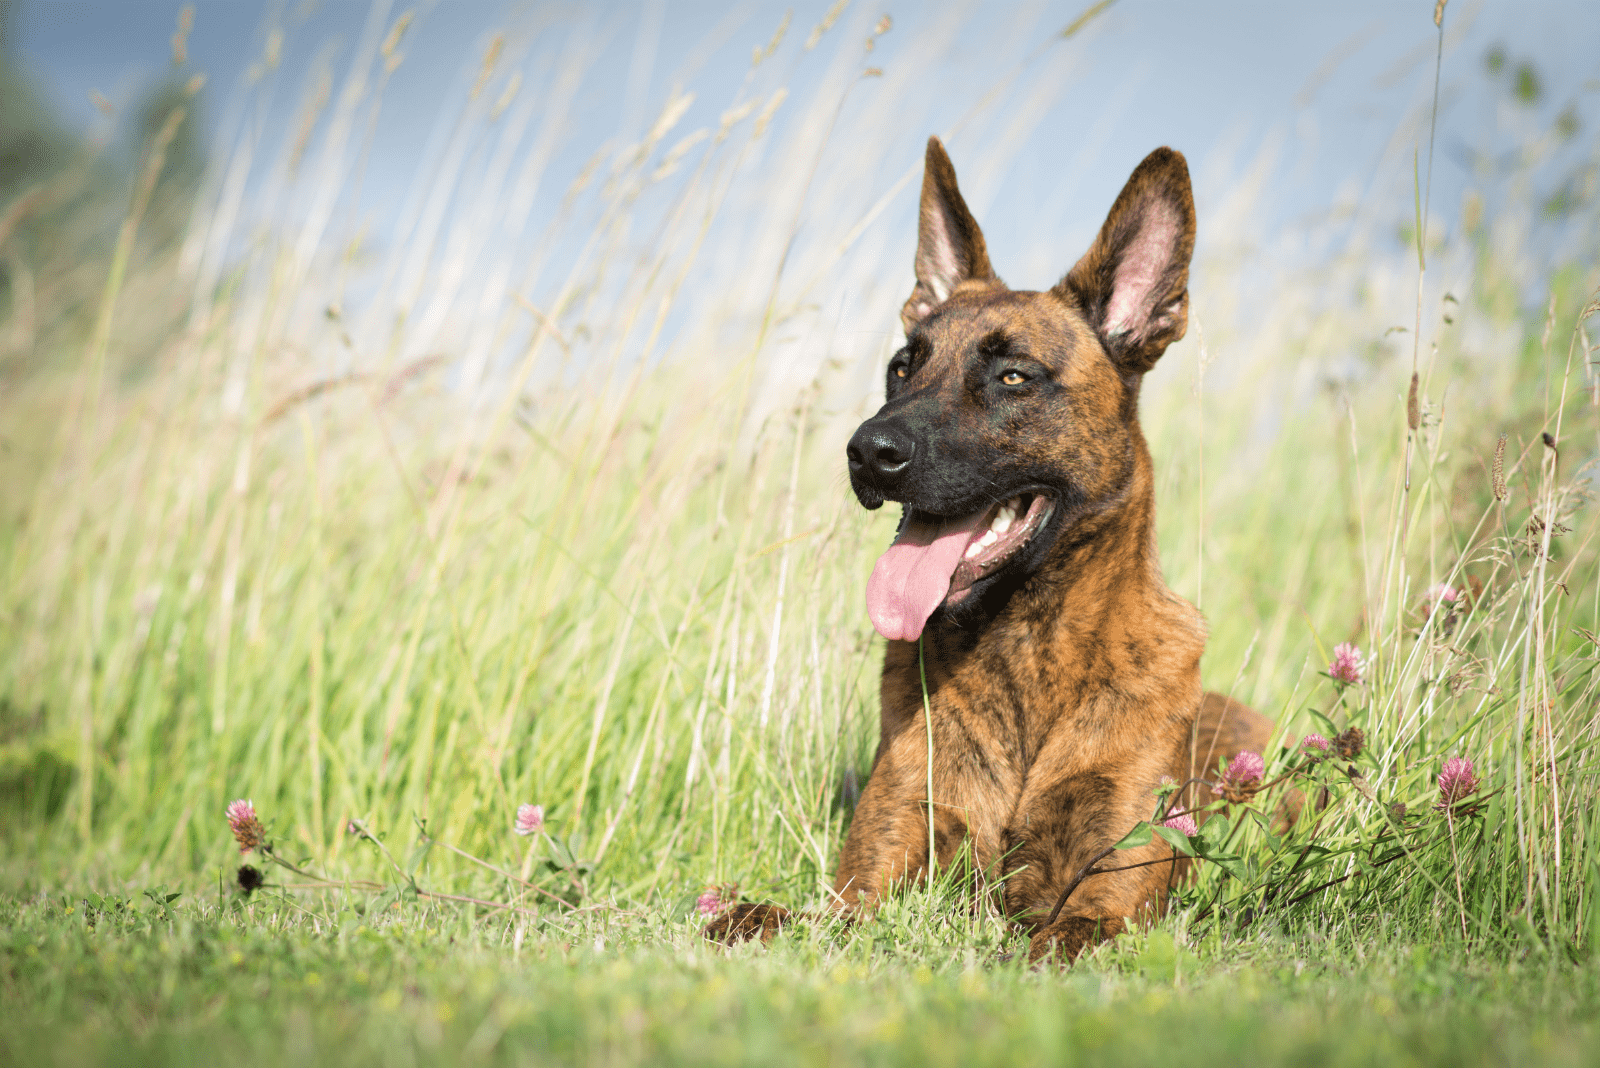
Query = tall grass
x=538 y=503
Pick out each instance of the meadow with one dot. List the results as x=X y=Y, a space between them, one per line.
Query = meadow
x=392 y=538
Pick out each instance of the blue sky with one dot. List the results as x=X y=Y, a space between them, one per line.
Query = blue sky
x=1326 y=83
x=1300 y=121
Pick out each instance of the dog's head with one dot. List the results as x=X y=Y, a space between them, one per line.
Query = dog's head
x=1012 y=416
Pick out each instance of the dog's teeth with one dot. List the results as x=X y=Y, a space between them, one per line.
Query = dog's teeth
x=988 y=539
x=1003 y=520
x=974 y=549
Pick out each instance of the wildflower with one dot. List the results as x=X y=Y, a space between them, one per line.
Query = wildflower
x=716 y=899
x=1242 y=778
x=1348 y=745
x=1182 y=822
x=1442 y=597
x=1314 y=744
x=250 y=878
x=1456 y=782
x=1347 y=665
x=247 y=829
x=530 y=819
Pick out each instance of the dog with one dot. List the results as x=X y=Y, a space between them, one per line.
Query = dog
x=1022 y=598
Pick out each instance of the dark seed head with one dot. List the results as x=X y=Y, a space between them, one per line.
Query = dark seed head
x=1348 y=745
x=250 y=878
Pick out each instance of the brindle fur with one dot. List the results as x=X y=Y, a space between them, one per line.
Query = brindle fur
x=1064 y=687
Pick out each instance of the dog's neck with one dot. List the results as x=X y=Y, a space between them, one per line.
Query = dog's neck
x=1098 y=601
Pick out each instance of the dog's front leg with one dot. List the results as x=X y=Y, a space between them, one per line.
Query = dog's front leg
x=888 y=843
x=744 y=922
x=887 y=846
x=1062 y=885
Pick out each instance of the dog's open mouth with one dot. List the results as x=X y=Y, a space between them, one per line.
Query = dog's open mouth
x=935 y=560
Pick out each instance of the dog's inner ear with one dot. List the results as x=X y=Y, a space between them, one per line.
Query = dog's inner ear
x=1133 y=283
x=950 y=248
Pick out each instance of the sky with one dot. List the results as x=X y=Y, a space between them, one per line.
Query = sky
x=1328 y=81
x=1296 y=118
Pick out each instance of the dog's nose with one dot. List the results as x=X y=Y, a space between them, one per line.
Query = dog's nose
x=880 y=453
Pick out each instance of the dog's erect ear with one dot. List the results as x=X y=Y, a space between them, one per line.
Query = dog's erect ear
x=1133 y=283
x=950 y=246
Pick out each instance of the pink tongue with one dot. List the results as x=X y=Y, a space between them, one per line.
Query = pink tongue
x=913 y=576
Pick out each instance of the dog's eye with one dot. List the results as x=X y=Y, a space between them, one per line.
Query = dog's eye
x=1013 y=378
x=899 y=370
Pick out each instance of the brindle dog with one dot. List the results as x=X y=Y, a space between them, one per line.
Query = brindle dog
x=1063 y=675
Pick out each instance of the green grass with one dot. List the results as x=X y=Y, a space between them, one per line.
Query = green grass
x=256 y=544
x=334 y=981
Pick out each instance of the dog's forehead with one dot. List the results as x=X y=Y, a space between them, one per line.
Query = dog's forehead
x=1039 y=325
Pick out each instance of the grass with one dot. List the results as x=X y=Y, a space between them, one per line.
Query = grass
x=278 y=525
x=335 y=981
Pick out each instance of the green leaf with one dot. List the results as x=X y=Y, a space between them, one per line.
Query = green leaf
x=1234 y=866
x=1213 y=834
x=1140 y=835
x=418 y=856
x=1324 y=724
x=1177 y=839
x=1314 y=856
x=563 y=855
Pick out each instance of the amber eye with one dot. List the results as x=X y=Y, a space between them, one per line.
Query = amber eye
x=900 y=371
x=1013 y=378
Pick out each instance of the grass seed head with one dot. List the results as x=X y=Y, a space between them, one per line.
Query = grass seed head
x=1498 y=474
x=180 y=39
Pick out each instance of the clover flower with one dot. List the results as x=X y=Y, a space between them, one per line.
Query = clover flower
x=1182 y=822
x=1242 y=777
x=530 y=819
x=1457 y=782
x=1314 y=744
x=247 y=829
x=716 y=899
x=1347 y=665
x=1441 y=592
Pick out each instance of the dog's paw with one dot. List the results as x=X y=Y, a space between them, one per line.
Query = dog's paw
x=1069 y=936
x=744 y=922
